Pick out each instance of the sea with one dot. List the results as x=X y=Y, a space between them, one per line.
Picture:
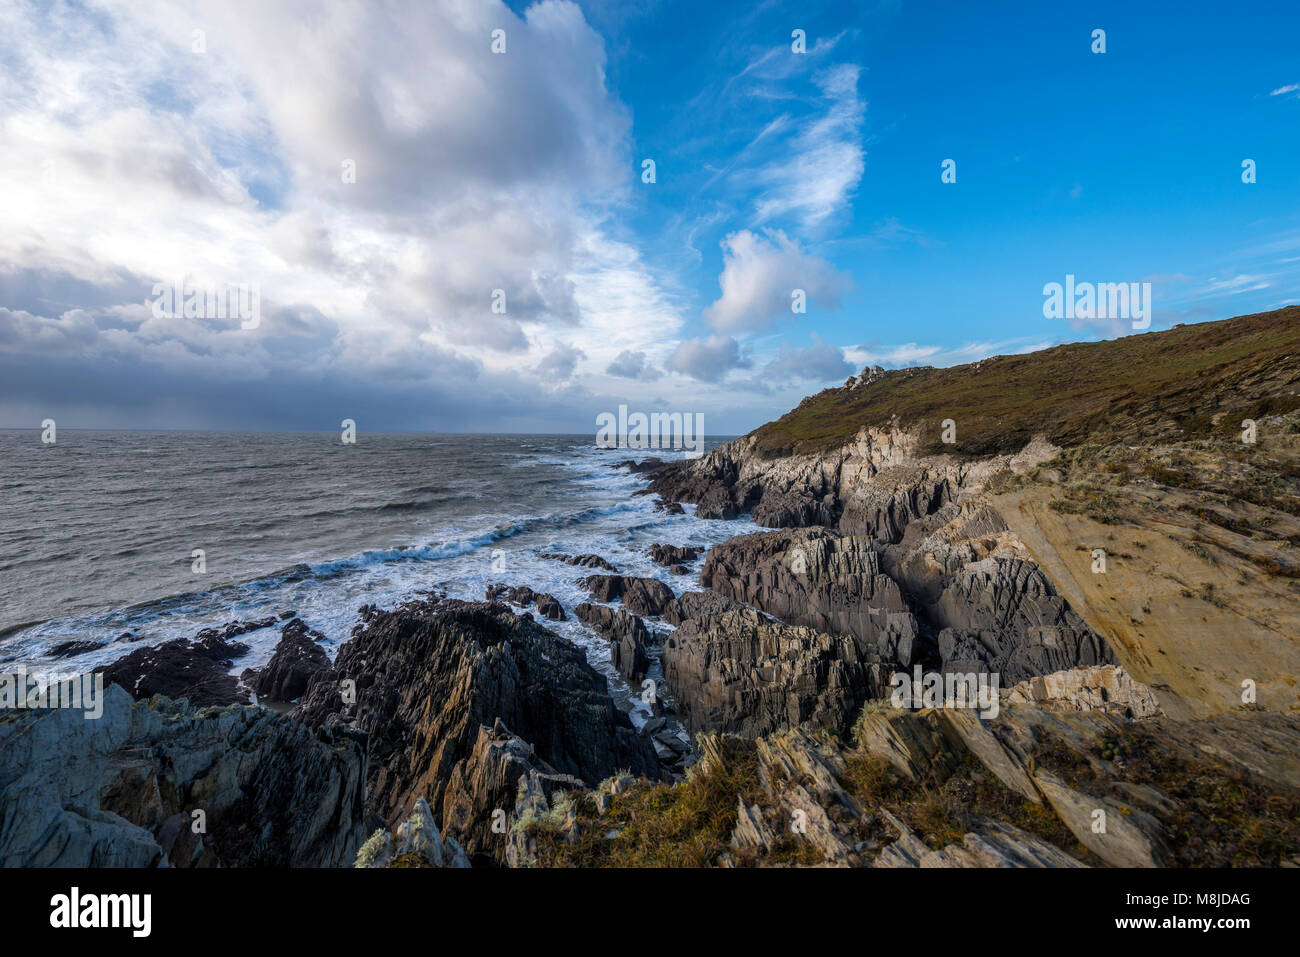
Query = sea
x=99 y=533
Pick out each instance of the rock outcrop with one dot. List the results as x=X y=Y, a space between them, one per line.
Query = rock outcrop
x=581 y=561
x=157 y=782
x=417 y=844
x=548 y=606
x=297 y=657
x=739 y=672
x=629 y=638
x=427 y=676
x=814 y=577
x=641 y=596
x=669 y=555
x=1103 y=688
x=196 y=669
x=697 y=604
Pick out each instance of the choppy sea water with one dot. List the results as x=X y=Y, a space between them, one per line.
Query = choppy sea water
x=97 y=532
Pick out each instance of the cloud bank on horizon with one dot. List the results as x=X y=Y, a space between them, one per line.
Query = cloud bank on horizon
x=472 y=216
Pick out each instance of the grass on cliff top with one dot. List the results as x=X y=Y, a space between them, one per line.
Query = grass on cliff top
x=1171 y=382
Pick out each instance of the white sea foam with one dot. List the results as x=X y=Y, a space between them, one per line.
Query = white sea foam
x=459 y=560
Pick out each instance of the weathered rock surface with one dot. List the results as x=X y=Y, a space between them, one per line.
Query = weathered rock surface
x=668 y=555
x=197 y=669
x=993 y=844
x=641 y=596
x=628 y=636
x=1197 y=597
x=814 y=577
x=430 y=674
x=697 y=604
x=297 y=657
x=548 y=606
x=739 y=672
x=1102 y=688
x=581 y=561
x=122 y=790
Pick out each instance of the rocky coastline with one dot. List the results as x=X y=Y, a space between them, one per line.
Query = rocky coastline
x=450 y=733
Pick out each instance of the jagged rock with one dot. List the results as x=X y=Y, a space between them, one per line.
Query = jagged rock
x=751 y=830
x=430 y=674
x=297 y=657
x=1002 y=616
x=814 y=577
x=648 y=465
x=418 y=844
x=541 y=801
x=868 y=375
x=697 y=604
x=993 y=844
x=741 y=673
x=481 y=791
x=121 y=791
x=418 y=834
x=582 y=561
x=641 y=596
x=668 y=555
x=66 y=649
x=198 y=669
x=1102 y=688
x=629 y=638
x=548 y=606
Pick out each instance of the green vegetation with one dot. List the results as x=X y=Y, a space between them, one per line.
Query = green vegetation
x=1141 y=387
x=1222 y=817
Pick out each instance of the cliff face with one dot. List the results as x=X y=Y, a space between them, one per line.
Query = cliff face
x=989 y=560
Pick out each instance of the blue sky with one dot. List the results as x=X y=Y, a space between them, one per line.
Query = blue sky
x=147 y=159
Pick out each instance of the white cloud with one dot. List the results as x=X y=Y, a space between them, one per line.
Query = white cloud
x=632 y=365
x=140 y=160
x=708 y=360
x=819 y=362
x=760 y=275
x=825 y=161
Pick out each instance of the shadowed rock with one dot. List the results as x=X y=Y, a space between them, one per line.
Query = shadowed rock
x=428 y=675
x=120 y=791
x=741 y=673
x=642 y=596
x=297 y=657
x=627 y=635
x=198 y=669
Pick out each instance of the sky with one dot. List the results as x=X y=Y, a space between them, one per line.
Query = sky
x=450 y=228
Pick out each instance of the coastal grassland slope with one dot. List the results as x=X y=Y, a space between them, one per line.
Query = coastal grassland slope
x=1141 y=387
